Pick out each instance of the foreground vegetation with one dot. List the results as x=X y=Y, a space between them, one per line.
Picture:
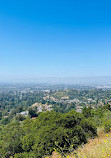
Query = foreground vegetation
x=97 y=148
x=100 y=147
x=51 y=131
x=42 y=133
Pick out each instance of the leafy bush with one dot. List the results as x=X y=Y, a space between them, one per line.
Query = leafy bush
x=107 y=128
x=50 y=131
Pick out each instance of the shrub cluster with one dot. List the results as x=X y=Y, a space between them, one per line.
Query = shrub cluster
x=49 y=132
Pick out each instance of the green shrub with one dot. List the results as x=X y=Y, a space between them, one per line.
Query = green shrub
x=107 y=128
x=50 y=131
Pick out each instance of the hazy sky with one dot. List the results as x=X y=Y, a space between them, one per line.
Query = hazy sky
x=55 y=38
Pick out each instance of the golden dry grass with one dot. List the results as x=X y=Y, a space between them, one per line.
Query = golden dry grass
x=54 y=155
x=100 y=147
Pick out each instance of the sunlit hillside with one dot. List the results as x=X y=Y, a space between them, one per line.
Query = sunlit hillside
x=100 y=147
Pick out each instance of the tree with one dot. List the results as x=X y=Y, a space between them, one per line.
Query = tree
x=87 y=112
x=19 y=117
x=32 y=112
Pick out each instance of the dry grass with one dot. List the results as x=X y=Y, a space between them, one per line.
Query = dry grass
x=100 y=147
x=54 y=155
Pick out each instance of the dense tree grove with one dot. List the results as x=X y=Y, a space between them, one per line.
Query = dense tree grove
x=49 y=132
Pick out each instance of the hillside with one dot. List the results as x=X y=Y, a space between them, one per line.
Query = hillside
x=61 y=129
x=95 y=148
x=49 y=132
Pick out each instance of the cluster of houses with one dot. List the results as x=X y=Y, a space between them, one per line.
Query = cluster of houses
x=40 y=107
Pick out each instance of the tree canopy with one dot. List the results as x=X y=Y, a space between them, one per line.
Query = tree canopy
x=50 y=131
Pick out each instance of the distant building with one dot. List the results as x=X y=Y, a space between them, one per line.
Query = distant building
x=33 y=118
x=79 y=110
x=23 y=113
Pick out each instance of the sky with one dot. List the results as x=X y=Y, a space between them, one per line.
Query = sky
x=59 y=38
